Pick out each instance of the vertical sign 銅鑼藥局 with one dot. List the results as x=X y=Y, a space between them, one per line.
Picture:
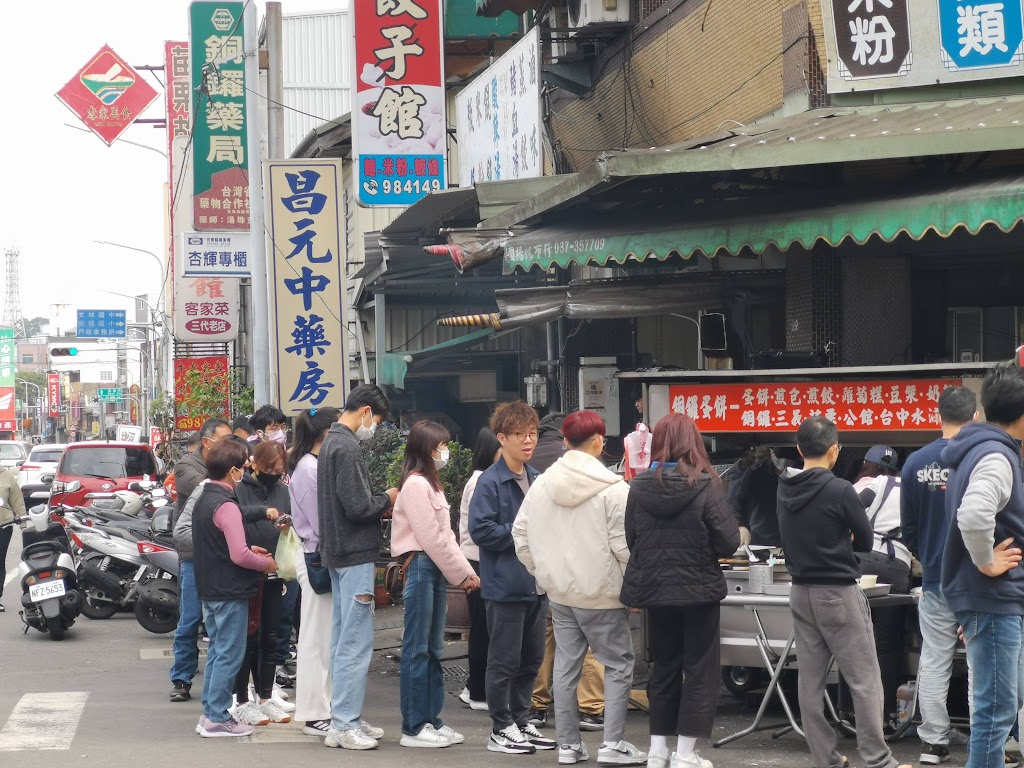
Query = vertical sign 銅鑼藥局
x=220 y=165
x=307 y=282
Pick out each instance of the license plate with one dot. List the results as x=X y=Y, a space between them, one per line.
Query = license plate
x=46 y=590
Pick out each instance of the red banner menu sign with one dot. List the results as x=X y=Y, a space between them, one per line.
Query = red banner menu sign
x=780 y=406
x=8 y=414
x=53 y=394
x=212 y=368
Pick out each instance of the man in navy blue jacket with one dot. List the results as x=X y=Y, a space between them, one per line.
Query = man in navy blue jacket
x=925 y=525
x=515 y=611
x=981 y=579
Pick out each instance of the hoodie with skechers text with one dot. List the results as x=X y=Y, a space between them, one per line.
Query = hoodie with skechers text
x=822 y=522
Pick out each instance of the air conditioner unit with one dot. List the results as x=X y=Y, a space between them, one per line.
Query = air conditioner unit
x=592 y=13
x=558 y=20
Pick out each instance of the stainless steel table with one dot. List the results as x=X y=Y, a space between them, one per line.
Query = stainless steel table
x=777 y=663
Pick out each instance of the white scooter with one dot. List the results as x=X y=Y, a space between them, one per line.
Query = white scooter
x=50 y=601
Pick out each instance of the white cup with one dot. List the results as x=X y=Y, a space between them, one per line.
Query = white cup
x=868 y=581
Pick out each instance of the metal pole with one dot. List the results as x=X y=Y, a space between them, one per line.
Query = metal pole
x=275 y=82
x=260 y=337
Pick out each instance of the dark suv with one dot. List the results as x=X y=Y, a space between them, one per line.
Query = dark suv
x=101 y=468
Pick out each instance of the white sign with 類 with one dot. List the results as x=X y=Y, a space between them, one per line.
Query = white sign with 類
x=223 y=254
x=499 y=118
x=884 y=44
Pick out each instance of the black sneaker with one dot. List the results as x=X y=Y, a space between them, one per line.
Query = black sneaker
x=591 y=722
x=538 y=717
x=182 y=691
x=1011 y=761
x=933 y=754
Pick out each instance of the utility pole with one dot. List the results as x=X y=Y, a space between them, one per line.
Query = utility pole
x=259 y=338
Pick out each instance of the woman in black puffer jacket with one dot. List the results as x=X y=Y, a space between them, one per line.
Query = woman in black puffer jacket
x=678 y=524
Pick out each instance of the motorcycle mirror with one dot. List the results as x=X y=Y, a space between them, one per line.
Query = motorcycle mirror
x=157 y=503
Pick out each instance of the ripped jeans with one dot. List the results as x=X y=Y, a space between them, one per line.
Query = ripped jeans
x=351 y=643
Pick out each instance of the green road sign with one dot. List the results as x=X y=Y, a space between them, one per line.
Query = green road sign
x=110 y=395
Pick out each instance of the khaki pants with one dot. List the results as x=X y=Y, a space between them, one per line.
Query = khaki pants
x=591 y=688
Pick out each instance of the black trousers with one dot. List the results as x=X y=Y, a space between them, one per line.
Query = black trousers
x=515 y=654
x=261 y=647
x=5 y=543
x=479 y=641
x=683 y=688
x=890 y=625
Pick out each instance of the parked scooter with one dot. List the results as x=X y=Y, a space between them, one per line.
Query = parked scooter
x=158 y=594
x=109 y=567
x=51 y=600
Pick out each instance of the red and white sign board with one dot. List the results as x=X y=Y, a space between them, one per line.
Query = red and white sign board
x=8 y=416
x=107 y=95
x=53 y=394
x=156 y=436
x=855 y=406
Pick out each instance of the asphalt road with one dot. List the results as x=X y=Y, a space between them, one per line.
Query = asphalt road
x=99 y=698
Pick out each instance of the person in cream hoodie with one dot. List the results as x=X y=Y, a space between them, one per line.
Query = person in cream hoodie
x=570 y=535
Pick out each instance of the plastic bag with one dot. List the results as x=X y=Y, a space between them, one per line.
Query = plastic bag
x=289 y=550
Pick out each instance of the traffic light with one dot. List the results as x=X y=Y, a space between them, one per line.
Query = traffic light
x=63 y=351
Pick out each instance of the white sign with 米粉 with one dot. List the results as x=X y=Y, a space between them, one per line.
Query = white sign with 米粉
x=499 y=118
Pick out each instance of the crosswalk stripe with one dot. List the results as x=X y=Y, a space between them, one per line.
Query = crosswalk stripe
x=43 y=721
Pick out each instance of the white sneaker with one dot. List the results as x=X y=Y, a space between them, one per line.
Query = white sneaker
x=622 y=753
x=511 y=741
x=274 y=712
x=369 y=730
x=538 y=739
x=694 y=761
x=479 y=706
x=280 y=693
x=249 y=714
x=353 y=738
x=284 y=706
x=569 y=754
x=451 y=734
x=427 y=738
x=657 y=761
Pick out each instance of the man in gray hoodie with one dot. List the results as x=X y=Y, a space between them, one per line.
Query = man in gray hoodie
x=982 y=582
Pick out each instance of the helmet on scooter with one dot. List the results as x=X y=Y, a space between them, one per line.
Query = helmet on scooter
x=131 y=503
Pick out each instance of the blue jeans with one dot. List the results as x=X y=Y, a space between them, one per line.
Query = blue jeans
x=422 y=683
x=227 y=622
x=994 y=652
x=186 y=636
x=351 y=643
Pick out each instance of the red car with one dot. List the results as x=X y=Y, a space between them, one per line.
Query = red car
x=101 y=467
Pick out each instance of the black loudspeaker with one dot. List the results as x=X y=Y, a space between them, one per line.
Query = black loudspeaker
x=712 y=332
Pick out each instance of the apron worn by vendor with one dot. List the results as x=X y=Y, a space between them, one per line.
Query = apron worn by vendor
x=889 y=559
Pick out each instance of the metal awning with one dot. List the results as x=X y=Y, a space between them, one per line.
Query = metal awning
x=494 y=8
x=611 y=299
x=755 y=223
x=332 y=139
x=817 y=137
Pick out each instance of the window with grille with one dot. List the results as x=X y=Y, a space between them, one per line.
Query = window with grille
x=106 y=375
x=644 y=8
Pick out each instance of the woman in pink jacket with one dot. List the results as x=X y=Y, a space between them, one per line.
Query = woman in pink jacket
x=423 y=541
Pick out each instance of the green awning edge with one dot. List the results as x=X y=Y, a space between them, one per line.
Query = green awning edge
x=969 y=208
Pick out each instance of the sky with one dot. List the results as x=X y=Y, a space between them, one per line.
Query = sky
x=61 y=189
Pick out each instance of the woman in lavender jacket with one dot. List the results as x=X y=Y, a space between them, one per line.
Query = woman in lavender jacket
x=313 y=684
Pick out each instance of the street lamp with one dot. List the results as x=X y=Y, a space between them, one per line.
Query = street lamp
x=39 y=395
x=157 y=259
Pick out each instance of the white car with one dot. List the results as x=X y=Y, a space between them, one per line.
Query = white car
x=42 y=461
x=12 y=453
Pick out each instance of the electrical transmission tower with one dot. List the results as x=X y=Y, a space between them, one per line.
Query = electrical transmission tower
x=13 y=317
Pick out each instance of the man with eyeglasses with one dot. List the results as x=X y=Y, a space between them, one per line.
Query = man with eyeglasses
x=189 y=473
x=516 y=612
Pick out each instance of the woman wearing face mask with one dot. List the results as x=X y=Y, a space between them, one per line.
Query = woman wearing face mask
x=263 y=497
x=313 y=681
x=227 y=577
x=423 y=541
